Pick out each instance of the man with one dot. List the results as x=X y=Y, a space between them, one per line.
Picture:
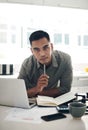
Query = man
x=46 y=72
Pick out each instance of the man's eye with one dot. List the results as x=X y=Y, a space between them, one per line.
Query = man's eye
x=46 y=47
x=36 y=49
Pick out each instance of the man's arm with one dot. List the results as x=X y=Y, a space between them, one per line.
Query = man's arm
x=67 y=77
x=52 y=92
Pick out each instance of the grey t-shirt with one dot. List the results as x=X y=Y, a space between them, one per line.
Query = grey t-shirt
x=59 y=71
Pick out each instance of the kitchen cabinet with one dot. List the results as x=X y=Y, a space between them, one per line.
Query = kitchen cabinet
x=80 y=79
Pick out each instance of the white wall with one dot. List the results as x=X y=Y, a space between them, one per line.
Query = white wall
x=83 y=4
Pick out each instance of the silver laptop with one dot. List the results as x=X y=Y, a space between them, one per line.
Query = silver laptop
x=13 y=93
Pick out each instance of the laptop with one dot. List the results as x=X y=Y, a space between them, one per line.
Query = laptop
x=13 y=93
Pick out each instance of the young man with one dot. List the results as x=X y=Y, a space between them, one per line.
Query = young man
x=46 y=72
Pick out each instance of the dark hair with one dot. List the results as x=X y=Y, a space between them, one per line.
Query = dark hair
x=38 y=35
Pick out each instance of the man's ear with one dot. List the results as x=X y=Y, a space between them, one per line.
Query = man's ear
x=52 y=46
x=31 y=50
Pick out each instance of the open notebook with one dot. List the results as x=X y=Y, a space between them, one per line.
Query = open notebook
x=50 y=101
x=13 y=93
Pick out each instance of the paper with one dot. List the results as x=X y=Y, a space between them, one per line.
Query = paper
x=29 y=115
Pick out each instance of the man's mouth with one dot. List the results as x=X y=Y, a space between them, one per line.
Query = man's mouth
x=43 y=59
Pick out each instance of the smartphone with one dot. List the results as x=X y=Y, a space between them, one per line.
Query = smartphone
x=53 y=117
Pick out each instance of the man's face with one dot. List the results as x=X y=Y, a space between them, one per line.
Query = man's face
x=42 y=50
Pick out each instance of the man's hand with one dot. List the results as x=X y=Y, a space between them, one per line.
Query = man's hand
x=42 y=82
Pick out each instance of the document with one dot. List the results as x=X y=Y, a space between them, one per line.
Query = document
x=50 y=101
x=29 y=115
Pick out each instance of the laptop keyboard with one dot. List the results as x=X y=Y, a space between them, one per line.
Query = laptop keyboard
x=32 y=100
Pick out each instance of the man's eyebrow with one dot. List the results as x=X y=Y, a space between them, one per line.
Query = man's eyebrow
x=35 y=48
x=45 y=45
x=42 y=47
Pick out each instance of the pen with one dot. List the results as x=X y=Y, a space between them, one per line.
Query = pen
x=44 y=69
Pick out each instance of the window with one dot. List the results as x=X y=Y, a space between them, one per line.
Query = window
x=13 y=38
x=3 y=37
x=57 y=38
x=3 y=33
x=66 y=39
x=28 y=35
x=79 y=40
x=85 y=40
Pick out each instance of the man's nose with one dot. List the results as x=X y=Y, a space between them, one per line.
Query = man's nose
x=42 y=52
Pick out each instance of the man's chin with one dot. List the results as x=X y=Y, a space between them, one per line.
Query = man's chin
x=42 y=62
x=46 y=62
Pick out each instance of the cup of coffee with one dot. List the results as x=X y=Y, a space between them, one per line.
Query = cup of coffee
x=77 y=109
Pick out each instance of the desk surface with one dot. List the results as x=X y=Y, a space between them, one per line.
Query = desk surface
x=62 y=124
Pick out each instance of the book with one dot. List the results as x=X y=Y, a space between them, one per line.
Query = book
x=50 y=101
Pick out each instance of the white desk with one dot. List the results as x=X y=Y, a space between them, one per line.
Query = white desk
x=62 y=124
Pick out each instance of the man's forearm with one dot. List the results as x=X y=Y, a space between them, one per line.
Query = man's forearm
x=53 y=92
x=32 y=92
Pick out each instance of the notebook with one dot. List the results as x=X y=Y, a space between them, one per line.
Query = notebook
x=13 y=93
x=50 y=101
